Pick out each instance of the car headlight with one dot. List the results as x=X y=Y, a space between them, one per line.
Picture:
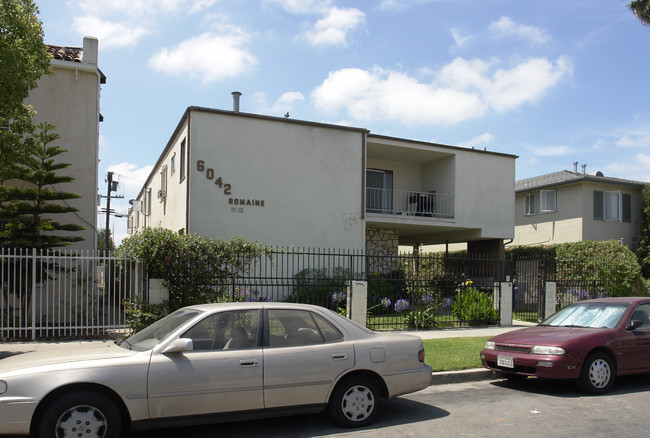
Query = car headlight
x=489 y=345
x=3 y=386
x=547 y=351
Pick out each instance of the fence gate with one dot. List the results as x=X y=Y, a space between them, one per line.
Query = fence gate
x=65 y=294
x=528 y=290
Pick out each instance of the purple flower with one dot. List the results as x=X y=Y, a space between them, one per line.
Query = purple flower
x=338 y=297
x=427 y=299
x=446 y=302
x=385 y=302
x=401 y=305
x=266 y=299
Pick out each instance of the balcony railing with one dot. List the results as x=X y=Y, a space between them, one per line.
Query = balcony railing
x=409 y=203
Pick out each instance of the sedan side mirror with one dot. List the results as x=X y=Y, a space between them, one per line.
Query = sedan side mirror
x=633 y=325
x=180 y=345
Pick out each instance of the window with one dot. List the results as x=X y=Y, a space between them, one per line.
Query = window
x=147 y=202
x=612 y=206
x=379 y=191
x=294 y=328
x=162 y=193
x=542 y=202
x=182 y=170
x=173 y=164
x=236 y=330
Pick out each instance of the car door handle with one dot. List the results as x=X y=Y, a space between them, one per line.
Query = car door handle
x=339 y=356
x=248 y=363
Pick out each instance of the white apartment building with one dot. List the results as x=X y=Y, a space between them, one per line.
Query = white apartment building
x=294 y=183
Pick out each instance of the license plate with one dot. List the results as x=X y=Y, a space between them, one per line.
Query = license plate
x=506 y=362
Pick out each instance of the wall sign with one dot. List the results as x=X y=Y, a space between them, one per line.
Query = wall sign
x=236 y=203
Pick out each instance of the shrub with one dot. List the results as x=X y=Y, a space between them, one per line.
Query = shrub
x=608 y=262
x=194 y=269
x=140 y=314
x=474 y=307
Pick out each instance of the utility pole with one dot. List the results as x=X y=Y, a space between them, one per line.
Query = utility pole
x=112 y=187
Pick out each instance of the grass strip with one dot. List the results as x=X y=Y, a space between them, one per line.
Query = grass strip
x=449 y=354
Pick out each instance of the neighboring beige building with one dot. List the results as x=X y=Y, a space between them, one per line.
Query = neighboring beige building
x=570 y=206
x=69 y=100
x=287 y=182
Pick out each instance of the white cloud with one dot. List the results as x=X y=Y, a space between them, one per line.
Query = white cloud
x=286 y=102
x=131 y=177
x=637 y=169
x=634 y=141
x=123 y=23
x=463 y=90
x=111 y=34
x=208 y=56
x=507 y=27
x=527 y=82
x=304 y=7
x=460 y=39
x=334 y=28
x=479 y=141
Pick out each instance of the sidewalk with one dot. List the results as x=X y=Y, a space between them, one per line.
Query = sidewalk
x=437 y=378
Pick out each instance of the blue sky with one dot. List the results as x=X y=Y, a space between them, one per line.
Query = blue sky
x=552 y=82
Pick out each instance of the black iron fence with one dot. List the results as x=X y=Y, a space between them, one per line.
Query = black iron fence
x=84 y=294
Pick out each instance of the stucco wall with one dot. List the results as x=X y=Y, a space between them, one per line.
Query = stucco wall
x=169 y=211
x=282 y=183
x=69 y=100
x=485 y=192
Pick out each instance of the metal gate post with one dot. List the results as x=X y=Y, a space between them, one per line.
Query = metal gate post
x=33 y=294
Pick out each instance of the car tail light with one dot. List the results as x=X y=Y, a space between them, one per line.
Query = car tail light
x=421 y=355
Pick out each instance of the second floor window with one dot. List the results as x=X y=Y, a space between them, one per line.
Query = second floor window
x=612 y=206
x=379 y=190
x=543 y=201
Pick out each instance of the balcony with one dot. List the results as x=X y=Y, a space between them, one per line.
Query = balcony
x=409 y=203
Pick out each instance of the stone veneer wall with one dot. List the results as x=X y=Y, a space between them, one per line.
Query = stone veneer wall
x=382 y=249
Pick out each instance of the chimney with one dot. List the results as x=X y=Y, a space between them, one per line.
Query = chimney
x=90 y=49
x=575 y=166
x=584 y=169
x=235 y=101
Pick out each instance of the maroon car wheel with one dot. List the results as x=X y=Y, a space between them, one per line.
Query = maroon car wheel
x=598 y=373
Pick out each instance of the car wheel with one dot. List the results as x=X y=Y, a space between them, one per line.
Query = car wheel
x=354 y=402
x=598 y=374
x=83 y=414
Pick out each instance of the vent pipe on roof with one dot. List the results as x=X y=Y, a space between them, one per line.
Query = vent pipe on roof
x=575 y=166
x=584 y=169
x=235 y=101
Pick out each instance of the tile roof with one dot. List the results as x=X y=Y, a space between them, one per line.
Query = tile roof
x=567 y=177
x=74 y=54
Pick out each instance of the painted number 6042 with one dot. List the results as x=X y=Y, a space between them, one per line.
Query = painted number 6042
x=209 y=174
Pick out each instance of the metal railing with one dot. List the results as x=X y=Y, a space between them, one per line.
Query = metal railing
x=65 y=294
x=410 y=203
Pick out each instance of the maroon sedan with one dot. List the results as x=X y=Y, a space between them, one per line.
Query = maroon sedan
x=590 y=341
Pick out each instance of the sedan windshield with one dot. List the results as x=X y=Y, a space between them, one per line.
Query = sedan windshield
x=595 y=315
x=150 y=336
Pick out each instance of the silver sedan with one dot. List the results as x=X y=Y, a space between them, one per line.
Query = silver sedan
x=210 y=363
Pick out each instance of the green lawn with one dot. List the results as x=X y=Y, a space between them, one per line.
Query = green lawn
x=453 y=353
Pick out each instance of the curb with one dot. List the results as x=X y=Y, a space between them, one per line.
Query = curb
x=472 y=375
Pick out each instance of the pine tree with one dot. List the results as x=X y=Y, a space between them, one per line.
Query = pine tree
x=28 y=204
